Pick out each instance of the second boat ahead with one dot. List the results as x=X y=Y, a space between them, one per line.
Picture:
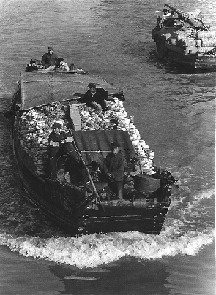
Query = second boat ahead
x=184 y=39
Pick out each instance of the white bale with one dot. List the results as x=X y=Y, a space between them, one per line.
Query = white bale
x=206 y=34
x=204 y=49
x=208 y=42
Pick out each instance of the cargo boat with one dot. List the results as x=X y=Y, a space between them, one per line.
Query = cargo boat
x=87 y=205
x=184 y=39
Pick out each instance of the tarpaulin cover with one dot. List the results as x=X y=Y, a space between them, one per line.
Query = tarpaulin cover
x=94 y=145
x=40 y=88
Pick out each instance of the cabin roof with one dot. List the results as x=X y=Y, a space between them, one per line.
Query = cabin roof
x=38 y=88
x=94 y=145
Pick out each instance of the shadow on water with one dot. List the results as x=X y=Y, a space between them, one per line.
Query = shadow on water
x=175 y=68
x=127 y=276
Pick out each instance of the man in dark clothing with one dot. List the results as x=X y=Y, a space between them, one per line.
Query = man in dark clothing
x=73 y=163
x=114 y=165
x=95 y=96
x=49 y=58
x=55 y=142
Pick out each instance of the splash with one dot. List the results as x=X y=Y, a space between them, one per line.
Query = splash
x=89 y=251
x=93 y=250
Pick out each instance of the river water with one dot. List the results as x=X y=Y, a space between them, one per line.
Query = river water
x=174 y=111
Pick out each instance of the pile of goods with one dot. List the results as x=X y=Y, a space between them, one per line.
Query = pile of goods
x=34 y=127
x=188 y=32
x=116 y=118
x=194 y=41
x=62 y=66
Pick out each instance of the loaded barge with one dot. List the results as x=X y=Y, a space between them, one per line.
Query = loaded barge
x=86 y=204
x=184 y=39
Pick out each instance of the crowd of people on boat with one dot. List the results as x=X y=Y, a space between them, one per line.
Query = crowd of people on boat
x=114 y=163
x=64 y=158
x=94 y=97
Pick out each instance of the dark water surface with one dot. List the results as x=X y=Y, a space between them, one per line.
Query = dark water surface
x=174 y=111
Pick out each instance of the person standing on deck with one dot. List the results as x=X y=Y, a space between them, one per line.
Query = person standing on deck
x=114 y=165
x=55 y=141
x=49 y=58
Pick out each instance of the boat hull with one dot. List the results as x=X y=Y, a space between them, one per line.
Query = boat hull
x=111 y=216
x=49 y=196
x=184 y=40
x=174 y=54
x=147 y=220
x=76 y=205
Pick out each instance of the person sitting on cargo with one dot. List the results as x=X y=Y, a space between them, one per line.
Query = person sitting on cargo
x=95 y=97
x=49 y=59
x=114 y=165
x=56 y=139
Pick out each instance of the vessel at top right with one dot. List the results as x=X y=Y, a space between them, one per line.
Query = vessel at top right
x=183 y=38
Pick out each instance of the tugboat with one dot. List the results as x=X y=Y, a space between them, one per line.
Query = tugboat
x=184 y=39
x=79 y=198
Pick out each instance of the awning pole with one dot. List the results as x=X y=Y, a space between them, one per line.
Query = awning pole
x=98 y=203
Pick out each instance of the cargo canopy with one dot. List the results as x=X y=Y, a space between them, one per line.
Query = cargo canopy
x=94 y=145
x=39 y=88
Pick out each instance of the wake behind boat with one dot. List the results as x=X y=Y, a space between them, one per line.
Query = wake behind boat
x=81 y=198
x=184 y=39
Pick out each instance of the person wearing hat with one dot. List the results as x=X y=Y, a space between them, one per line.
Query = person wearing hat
x=49 y=58
x=114 y=165
x=167 y=15
x=95 y=97
x=55 y=141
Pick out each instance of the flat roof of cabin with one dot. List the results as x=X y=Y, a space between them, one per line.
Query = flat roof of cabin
x=38 y=88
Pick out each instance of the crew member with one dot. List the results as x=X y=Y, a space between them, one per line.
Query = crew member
x=73 y=164
x=55 y=141
x=94 y=97
x=49 y=58
x=166 y=13
x=114 y=165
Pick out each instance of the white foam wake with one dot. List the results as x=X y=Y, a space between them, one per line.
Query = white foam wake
x=93 y=250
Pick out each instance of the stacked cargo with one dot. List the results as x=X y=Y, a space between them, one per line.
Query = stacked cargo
x=117 y=118
x=193 y=41
x=186 y=40
x=183 y=38
x=35 y=125
x=207 y=39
